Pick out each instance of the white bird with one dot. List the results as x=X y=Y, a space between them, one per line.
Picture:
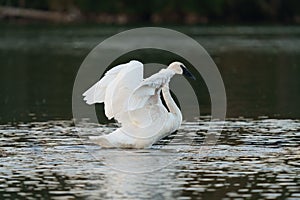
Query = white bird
x=136 y=104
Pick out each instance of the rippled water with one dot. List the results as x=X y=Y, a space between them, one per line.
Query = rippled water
x=253 y=159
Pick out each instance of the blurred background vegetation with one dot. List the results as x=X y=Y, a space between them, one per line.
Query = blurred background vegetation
x=154 y=11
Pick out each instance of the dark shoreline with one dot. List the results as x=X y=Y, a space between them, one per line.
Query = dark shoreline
x=28 y=16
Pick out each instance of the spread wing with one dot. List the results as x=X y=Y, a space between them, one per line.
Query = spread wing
x=115 y=88
x=144 y=105
x=148 y=92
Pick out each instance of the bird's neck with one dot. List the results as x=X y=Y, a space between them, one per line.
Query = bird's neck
x=170 y=102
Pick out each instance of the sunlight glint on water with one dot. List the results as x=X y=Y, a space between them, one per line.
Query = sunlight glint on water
x=252 y=159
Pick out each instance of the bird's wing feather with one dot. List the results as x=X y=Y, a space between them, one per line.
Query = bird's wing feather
x=148 y=90
x=116 y=98
x=115 y=88
x=96 y=93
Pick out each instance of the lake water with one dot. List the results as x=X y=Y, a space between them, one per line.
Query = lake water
x=260 y=67
x=253 y=159
x=43 y=155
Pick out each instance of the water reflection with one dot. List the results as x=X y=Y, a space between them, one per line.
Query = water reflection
x=252 y=159
x=259 y=65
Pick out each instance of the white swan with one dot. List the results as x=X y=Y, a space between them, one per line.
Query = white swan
x=135 y=103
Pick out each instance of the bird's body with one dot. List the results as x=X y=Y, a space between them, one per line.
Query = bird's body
x=136 y=104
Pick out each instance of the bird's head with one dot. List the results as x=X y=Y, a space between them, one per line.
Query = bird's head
x=179 y=68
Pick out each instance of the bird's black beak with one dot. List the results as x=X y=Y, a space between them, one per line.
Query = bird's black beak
x=187 y=73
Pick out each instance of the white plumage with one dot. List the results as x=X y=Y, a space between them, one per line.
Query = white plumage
x=135 y=103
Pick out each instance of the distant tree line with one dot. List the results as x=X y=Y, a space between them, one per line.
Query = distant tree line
x=168 y=11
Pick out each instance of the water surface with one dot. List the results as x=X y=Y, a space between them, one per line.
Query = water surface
x=260 y=67
x=43 y=155
x=253 y=159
